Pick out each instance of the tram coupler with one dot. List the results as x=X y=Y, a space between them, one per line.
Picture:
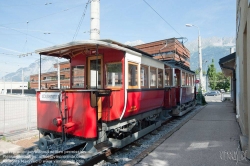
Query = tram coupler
x=46 y=141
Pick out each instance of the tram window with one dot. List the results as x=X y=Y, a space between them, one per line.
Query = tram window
x=153 y=77
x=177 y=78
x=191 y=80
x=132 y=75
x=187 y=79
x=114 y=74
x=144 y=76
x=183 y=82
x=78 y=76
x=168 y=77
x=160 y=78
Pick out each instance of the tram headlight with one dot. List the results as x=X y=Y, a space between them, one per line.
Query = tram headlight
x=57 y=122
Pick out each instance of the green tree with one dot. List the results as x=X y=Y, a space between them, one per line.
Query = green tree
x=197 y=72
x=223 y=82
x=211 y=73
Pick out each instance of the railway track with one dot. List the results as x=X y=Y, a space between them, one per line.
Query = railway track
x=106 y=154
x=56 y=156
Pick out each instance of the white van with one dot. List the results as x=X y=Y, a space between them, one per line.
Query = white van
x=222 y=90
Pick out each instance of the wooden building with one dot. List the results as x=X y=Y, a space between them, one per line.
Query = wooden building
x=168 y=49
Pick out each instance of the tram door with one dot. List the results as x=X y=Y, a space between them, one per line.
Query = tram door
x=95 y=78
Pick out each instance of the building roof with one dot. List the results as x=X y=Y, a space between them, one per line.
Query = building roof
x=227 y=64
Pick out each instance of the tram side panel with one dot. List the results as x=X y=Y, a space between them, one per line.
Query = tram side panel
x=112 y=106
x=80 y=115
x=170 y=98
x=143 y=101
x=167 y=99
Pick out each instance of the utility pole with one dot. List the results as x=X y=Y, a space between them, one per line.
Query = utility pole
x=22 y=81
x=95 y=20
x=4 y=85
x=11 y=86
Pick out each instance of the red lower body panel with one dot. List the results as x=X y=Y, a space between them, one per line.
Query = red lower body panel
x=81 y=118
x=143 y=101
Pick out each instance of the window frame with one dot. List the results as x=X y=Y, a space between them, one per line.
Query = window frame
x=72 y=77
x=89 y=71
x=106 y=76
x=150 y=76
x=147 y=79
x=168 y=80
x=138 y=78
x=158 y=81
x=183 y=78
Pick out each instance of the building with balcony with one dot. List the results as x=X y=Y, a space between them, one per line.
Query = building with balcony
x=169 y=50
x=50 y=80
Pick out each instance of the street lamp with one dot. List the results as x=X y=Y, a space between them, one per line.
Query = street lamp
x=199 y=50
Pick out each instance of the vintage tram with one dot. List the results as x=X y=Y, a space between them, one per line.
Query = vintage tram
x=123 y=94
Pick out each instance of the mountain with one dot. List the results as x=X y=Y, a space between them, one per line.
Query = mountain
x=212 y=48
x=33 y=68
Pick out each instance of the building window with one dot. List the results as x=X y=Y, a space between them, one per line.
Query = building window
x=78 y=76
x=160 y=78
x=153 y=77
x=114 y=74
x=132 y=75
x=144 y=76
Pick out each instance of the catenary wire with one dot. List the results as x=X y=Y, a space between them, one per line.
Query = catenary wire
x=81 y=20
x=28 y=34
x=64 y=10
x=162 y=17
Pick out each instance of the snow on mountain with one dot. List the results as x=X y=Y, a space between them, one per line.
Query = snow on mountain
x=212 y=48
x=211 y=42
x=33 y=68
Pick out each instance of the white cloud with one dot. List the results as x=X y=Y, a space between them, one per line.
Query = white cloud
x=134 y=43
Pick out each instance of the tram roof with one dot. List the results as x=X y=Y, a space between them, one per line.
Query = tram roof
x=68 y=50
x=178 y=65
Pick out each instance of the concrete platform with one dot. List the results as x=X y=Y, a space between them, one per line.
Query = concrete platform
x=211 y=137
x=14 y=144
x=7 y=147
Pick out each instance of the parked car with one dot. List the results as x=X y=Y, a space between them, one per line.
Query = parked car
x=212 y=93
x=218 y=92
x=222 y=90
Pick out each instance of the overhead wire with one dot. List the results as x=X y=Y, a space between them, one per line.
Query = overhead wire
x=162 y=17
x=81 y=20
x=10 y=50
x=26 y=40
x=27 y=34
x=64 y=10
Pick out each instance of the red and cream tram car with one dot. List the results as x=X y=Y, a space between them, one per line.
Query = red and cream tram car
x=124 y=94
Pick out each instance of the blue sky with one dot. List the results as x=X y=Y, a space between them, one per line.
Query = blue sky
x=28 y=25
